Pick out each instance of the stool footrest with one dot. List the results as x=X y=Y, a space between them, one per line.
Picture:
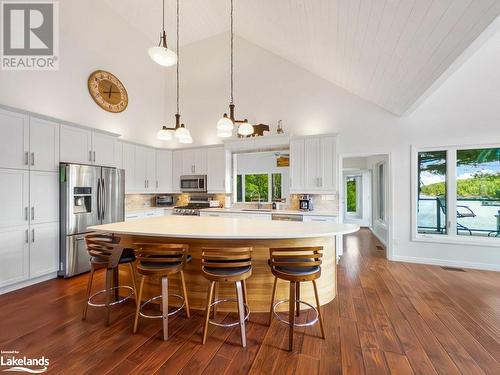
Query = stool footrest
x=160 y=316
x=216 y=302
x=306 y=324
x=121 y=300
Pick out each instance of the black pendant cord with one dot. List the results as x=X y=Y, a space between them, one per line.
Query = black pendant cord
x=163 y=16
x=231 y=55
x=178 y=57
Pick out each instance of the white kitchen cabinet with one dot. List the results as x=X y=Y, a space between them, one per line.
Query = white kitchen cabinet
x=176 y=171
x=104 y=149
x=145 y=169
x=163 y=171
x=297 y=166
x=128 y=164
x=218 y=170
x=14 y=252
x=76 y=145
x=313 y=165
x=44 y=249
x=151 y=170
x=309 y=218
x=194 y=161
x=14 y=196
x=44 y=197
x=44 y=145
x=14 y=142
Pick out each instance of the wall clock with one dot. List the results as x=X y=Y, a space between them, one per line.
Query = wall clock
x=107 y=91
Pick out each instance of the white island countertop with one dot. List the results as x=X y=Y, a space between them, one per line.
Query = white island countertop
x=272 y=212
x=224 y=228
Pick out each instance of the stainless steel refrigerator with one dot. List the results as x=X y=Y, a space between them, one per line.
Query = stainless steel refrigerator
x=89 y=195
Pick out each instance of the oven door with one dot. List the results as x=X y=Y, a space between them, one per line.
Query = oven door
x=193 y=184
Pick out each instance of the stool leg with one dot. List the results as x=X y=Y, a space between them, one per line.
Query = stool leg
x=245 y=296
x=109 y=291
x=116 y=283
x=215 y=296
x=272 y=301
x=89 y=289
x=138 y=307
x=184 y=291
x=297 y=299
x=134 y=282
x=241 y=313
x=291 y=314
x=319 y=309
x=207 y=310
x=164 y=303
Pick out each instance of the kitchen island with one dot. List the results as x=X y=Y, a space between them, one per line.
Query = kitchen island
x=200 y=232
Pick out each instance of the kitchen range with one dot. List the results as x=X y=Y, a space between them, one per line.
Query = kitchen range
x=196 y=203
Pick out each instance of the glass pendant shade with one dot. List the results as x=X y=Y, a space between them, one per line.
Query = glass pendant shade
x=245 y=129
x=164 y=134
x=225 y=124
x=182 y=133
x=224 y=133
x=186 y=140
x=162 y=56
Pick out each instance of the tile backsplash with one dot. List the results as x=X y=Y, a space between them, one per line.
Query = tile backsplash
x=327 y=202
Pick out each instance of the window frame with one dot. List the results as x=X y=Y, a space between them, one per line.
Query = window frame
x=269 y=187
x=451 y=237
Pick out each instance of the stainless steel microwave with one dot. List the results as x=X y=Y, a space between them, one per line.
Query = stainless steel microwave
x=194 y=183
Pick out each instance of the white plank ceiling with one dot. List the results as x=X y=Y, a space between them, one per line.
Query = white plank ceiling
x=388 y=52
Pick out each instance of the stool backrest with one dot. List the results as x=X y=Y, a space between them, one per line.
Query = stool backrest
x=229 y=257
x=104 y=249
x=161 y=253
x=297 y=257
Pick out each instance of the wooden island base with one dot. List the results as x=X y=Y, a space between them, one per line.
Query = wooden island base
x=259 y=285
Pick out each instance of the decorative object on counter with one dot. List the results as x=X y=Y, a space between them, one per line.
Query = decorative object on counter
x=107 y=91
x=214 y=203
x=181 y=133
x=226 y=124
x=306 y=203
x=282 y=160
x=161 y=54
x=258 y=130
x=280 y=130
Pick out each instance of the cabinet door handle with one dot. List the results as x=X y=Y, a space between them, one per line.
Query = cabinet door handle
x=33 y=213
x=26 y=158
x=27 y=236
x=157 y=184
x=94 y=156
x=90 y=155
x=33 y=235
x=26 y=213
x=32 y=158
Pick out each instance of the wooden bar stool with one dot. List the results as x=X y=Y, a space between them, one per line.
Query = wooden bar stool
x=106 y=253
x=296 y=264
x=227 y=265
x=161 y=261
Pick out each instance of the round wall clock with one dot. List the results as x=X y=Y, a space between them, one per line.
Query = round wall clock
x=107 y=91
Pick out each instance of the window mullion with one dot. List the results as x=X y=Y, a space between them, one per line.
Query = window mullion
x=451 y=191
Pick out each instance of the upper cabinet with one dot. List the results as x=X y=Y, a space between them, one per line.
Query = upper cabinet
x=128 y=163
x=194 y=161
x=176 y=171
x=218 y=170
x=313 y=165
x=145 y=169
x=163 y=171
x=84 y=146
x=44 y=145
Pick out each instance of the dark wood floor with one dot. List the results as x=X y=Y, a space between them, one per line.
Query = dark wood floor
x=388 y=318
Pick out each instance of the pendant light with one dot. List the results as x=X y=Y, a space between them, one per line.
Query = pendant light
x=181 y=133
x=161 y=54
x=226 y=124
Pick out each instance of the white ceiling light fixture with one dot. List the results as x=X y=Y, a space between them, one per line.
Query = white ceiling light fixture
x=161 y=54
x=181 y=133
x=226 y=124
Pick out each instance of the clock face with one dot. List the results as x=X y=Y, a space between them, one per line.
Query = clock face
x=107 y=91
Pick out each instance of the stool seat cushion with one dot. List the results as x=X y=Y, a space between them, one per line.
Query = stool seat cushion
x=157 y=265
x=127 y=256
x=297 y=271
x=230 y=271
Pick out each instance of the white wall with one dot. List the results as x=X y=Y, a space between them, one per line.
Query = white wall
x=106 y=42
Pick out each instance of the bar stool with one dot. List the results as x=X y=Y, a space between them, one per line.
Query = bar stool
x=296 y=264
x=105 y=252
x=227 y=265
x=161 y=261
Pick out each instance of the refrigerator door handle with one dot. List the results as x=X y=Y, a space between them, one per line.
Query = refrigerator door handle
x=103 y=210
x=98 y=199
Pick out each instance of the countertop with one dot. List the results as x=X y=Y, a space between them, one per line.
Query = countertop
x=285 y=212
x=224 y=228
x=147 y=209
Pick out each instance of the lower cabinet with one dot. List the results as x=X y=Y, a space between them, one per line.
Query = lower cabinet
x=237 y=215
x=320 y=218
x=14 y=252
x=44 y=249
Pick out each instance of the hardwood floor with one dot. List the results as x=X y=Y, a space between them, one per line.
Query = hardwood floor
x=388 y=317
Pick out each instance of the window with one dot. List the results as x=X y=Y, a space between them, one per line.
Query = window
x=381 y=192
x=431 y=204
x=351 y=193
x=259 y=187
x=458 y=192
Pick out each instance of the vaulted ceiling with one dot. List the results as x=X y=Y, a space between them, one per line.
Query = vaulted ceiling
x=388 y=52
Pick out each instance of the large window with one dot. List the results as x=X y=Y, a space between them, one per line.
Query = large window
x=263 y=187
x=459 y=192
x=351 y=192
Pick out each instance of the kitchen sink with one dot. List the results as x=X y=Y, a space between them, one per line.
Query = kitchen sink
x=256 y=210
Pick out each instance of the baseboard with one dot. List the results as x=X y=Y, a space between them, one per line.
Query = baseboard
x=447 y=263
x=24 y=284
x=378 y=237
